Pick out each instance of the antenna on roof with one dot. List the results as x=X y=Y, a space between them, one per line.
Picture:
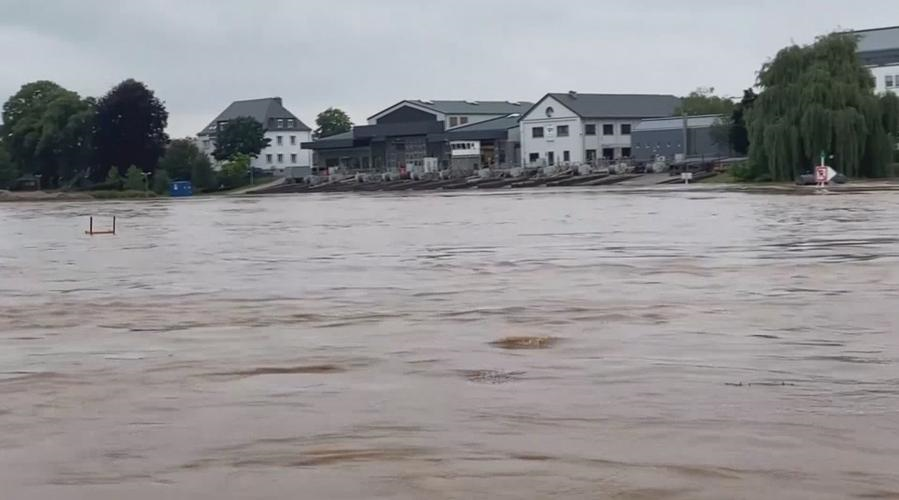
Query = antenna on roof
x=572 y=94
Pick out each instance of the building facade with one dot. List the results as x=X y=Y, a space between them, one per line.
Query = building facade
x=286 y=134
x=574 y=129
x=404 y=135
x=691 y=137
x=878 y=49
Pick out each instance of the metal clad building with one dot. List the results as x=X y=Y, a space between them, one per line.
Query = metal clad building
x=665 y=137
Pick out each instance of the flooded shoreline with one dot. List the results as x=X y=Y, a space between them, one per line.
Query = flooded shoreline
x=569 y=343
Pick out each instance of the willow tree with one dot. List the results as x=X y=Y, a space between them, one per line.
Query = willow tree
x=820 y=98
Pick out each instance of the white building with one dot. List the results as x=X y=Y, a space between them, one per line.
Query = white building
x=284 y=130
x=878 y=49
x=573 y=128
x=886 y=78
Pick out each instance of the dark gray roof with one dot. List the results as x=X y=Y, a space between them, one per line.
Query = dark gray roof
x=469 y=107
x=497 y=128
x=677 y=122
x=618 y=105
x=258 y=109
x=502 y=123
x=879 y=46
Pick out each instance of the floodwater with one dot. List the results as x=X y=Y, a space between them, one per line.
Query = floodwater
x=537 y=344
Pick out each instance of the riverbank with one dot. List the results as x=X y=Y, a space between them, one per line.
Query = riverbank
x=13 y=196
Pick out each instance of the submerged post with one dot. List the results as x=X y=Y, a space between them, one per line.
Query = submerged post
x=91 y=231
x=113 y=224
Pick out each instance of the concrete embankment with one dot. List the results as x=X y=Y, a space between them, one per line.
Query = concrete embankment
x=354 y=185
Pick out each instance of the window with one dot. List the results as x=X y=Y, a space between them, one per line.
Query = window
x=608 y=153
x=591 y=153
x=463 y=120
x=271 y=123
x=533 y=157
x=280 y=158
x=454 y=121
x=268 y=158
x=280 y=123
x=293 y=140
x=563 y=131
x=290 y=123
x=566 y=155
x=625 y=152
x=280 y=140
x=293 y=158
x=590 y=129
x=551 y=158
x=625 y=129
x=537 y=132
x=608 y=129
x=888 y=80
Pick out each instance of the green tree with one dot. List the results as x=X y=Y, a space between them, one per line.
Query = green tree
x=820 y=98
x=184 y=161
x=8 y=171
x=161 y=182
x=48 y=132
x=738 y=133
x=332 y=121
x=240 y=136
x=134 y=179
x=703 y=101
x=113 y=179
x=130 y=127
x=234 y=172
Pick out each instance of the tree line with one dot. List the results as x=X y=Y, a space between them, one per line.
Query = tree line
x=118 y=141
x=68 y=140
x=812 y=100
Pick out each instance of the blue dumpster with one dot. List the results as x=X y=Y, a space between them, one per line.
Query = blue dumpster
x=181 y=188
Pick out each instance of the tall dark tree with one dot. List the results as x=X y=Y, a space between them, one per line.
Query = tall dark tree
x=332 y=121
x=8 y=171
x=820 y=98
x=48 y=131
x=738 y=133
x=131 y=123
x=183 y=161
x=240 y=136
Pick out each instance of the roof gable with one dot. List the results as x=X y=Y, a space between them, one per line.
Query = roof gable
x=460 y=107
x=616 y=105
x=260 y=110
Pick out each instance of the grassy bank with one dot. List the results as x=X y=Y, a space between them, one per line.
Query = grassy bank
x=11 y=196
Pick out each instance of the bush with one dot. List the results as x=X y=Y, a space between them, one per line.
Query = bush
x=234 y=173
x=134 y=179
x=161 y=182
x=113 y=179
x=121 y=195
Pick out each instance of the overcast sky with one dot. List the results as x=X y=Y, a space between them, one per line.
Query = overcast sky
x=364 y=55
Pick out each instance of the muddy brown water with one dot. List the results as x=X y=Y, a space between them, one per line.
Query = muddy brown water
x=534 y=344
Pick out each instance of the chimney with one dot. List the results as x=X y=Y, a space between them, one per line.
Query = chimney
x=572 y=94
x=278 y=100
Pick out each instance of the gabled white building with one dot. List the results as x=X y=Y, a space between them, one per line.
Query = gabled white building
x=573 y=129
x=285 y=131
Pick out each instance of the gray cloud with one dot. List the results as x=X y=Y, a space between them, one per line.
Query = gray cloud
x=363 y=55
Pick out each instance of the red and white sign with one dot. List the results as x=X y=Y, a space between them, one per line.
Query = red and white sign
x=821 y=174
